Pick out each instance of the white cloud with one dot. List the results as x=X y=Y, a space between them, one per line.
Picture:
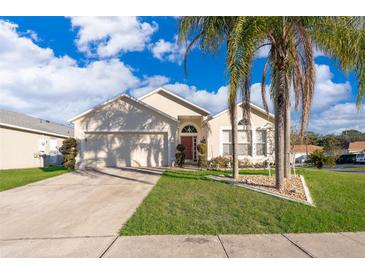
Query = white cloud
x=148 y=84
x=326 y=91
x=155 y=80
x=108 y=36
x=35 y=81
x=212 y=101
x=256 y=97
x=168 y=51
x=338 y=118
x=263 y=52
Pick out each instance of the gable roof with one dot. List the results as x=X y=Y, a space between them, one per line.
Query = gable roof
x=252 y=106
x=21 y=121
x=357 y=146
x=123 y=96
x=178 y=97
x=306 y=148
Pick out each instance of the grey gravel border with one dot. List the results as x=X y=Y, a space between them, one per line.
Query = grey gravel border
x=234 y=182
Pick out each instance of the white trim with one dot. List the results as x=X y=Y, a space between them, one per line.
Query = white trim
x=238 y=105
x=306 y=191
x=35 y=130
x=120 y=96
x=169 y=135
x=186 y=123
x=188 y=133
x=174 y=95
x=125 y=131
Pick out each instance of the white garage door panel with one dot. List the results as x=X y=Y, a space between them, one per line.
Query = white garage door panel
x=125 y=149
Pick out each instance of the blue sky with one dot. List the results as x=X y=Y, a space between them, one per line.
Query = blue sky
x=57 y=67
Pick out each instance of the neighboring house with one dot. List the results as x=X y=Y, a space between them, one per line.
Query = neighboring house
x=126 y=131
x=301 y=152
x=356 y=147
x=27 y=141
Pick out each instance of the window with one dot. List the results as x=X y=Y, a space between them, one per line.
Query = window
x=243 y=141
x=53 y=145
x=189 y=129
x=243 y=122
x=227 y=142
x=260 y=142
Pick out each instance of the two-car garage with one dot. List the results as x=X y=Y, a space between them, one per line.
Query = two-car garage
x=125 y=132
x=115 y=149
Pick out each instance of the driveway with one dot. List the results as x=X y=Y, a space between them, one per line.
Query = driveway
x=76 y=214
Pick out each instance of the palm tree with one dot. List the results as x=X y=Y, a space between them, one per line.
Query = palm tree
x=211 y=33
x=290 y=61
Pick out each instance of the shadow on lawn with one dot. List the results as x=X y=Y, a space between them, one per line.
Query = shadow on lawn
x=52 y=168
x=200 y=174
x=190 y=175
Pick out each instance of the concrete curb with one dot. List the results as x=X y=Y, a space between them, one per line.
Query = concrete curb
x=306 y=191
x=256 y=189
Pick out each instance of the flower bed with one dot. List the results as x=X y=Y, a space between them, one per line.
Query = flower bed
x=292 y=187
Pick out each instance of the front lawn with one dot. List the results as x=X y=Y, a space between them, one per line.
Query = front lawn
x=10 y=178
x=357 y=167
x=185 y=202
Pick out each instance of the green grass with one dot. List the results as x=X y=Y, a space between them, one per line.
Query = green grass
x=188 y=203
x=10 y=178
x=357 y=167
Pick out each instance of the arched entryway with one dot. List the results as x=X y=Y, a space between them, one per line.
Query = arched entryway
x=188 y=137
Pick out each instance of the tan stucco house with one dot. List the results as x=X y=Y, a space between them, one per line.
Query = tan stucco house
x=27 y=142
x=126 y=131
x=301 y=152
x=356 y=147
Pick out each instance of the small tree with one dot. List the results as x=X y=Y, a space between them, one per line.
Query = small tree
x=69 y=151
x=180 y=155
x=318 y=159
x=202 y=157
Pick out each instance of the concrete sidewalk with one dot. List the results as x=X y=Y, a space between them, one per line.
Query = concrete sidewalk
x=322 y=245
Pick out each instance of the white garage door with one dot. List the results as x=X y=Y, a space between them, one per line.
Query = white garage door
x=125 y=149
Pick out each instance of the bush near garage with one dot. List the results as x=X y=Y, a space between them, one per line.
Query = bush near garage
x=69 y=152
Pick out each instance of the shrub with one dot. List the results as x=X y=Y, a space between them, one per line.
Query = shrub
x=318 y=159
x=180 y=155
x=248 y=164
x=245 y=164
x=331 y=161
x=220 y=161
x=202 y=156
x=69 y=151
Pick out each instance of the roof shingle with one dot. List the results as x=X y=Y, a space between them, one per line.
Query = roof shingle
x=306 y=148
x=357 y=146
x=21 y=120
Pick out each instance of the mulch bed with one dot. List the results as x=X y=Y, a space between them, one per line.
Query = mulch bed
x=292 y=187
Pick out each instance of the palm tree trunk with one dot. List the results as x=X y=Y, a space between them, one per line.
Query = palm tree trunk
x=233 y=110
x=279 y=128
x=287 y=138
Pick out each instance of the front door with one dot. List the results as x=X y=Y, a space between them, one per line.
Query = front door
x=187 y=141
